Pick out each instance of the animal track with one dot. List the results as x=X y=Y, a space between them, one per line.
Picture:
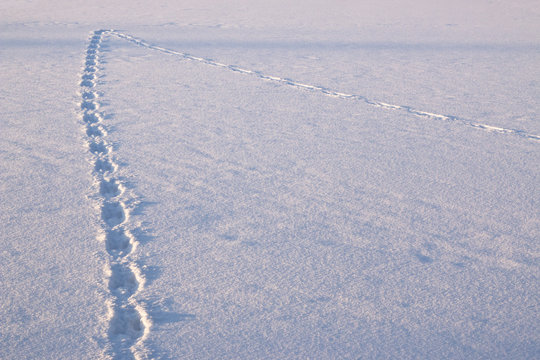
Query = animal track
x=103 y=165
x=91 y=118
x=87 y=83
x=329 y=92
x=89 y=76
x=123 y=280
x=94 y=130
x=118 y=243
x=87 y=95
x=126 y=326
x=126 y=321
x=88 y=105
x=98 y=148
x=113 y=213
x=129 y=322
x=109 y=188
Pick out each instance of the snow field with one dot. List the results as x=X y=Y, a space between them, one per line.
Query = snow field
x=269 y=179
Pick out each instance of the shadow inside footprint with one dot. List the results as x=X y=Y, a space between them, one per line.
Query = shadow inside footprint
x=109 y=188
x=88 y=95
x=123 y=280
x=118 y=243
x=113 y=213
x=125 y=326
x=87 y=83
x=98 y=148
x=88 y=105
x=94 y=131
x=103 y=165
x=91 y=118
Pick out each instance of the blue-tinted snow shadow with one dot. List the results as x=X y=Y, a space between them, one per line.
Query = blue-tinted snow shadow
x=161 y=315
x=423 y=258
x=167 y=317
x=144 y=233
x=141 y=206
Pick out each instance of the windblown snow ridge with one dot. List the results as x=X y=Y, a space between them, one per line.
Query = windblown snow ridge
x=129 y=324
x=329 y=92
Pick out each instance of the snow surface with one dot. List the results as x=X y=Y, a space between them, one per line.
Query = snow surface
x=264 y=180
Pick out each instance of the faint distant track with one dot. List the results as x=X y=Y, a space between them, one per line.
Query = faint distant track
x=328 y=92
x=128 y=321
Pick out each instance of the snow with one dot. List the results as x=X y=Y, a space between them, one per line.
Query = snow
x=271 y=179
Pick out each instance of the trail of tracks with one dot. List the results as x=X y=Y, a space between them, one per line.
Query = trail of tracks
x=329 y=92
x=128 y=321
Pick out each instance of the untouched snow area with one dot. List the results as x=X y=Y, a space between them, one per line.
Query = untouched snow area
x=270 y=180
